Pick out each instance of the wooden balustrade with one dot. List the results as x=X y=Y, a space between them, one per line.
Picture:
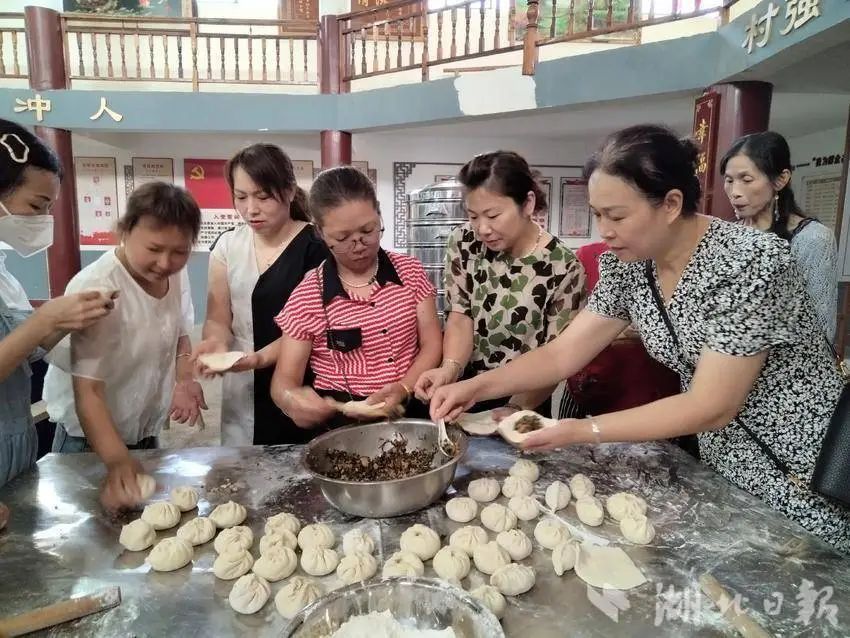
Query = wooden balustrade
x=13 y=52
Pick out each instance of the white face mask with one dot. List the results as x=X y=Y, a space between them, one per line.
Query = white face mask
x=28 y=235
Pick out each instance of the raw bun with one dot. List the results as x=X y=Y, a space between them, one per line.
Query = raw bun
x=364 y=410
x=461 y=509
x=467 y=538
x=478 y=423
x=239 y=536
x=276 y=564
x=491 y=598
x=281 y=539
x=185 y=497
x=550 y=533
x=170 y=554
x=284 y=520
x=590 y=511
x=623 y=504
x=508 y=426
x=147 y=486
x=319 y=561
x=356 y=540
x=526 y=508
x=526 y=469
x=356 y=567
x=513 y=579
x=498 y=518
x=558 y=496
x=197 y=531
x=221 y=361
x=581 y=486
x=316 y=535
x=233 y=563
x=420 y=540
x=249 y=594
x=452 y=564
x=484 y=490
x=517 y=486
x=403 y=564
x=637 y=529
x=489 y=557
x=516 y=543
x=565 y=556
x=137 y=535
x=228 y=514
x=296 y=595
x=161 y=515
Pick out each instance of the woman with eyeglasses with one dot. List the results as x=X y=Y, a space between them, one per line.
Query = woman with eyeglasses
x=253 y=270
x=365 y=320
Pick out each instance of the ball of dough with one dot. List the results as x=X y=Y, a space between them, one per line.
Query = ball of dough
x=277 y=540
x=249 y=594
x=581 y=486
x=452 y=564
x=565 y=556
x=590 y=510
x=197 y=531
x=489 y=557
x=170 y=554
x=403 y=564
x=513 y=579
x=161 y=515
x=515 y=543
x=276 y=564
x=233 y=563
x=461 y=509
x=420 y=540
x=526 y=469
x=147 y=486
x=284 y=520
x=319 y=561
x=228 y=514
x=484 y=490
x=491 y=598
x=517 y=486
x=558 y=496
x=526 y=508
x=498 y=518
x=356 y=540
x=137 y=535
x=296 y=595
x=623 y=504
x=467 y=538
x=185 y=497
x=356 y=567
x=316 y=535
x=239 y=536
x=550 y=533
x=637 y=529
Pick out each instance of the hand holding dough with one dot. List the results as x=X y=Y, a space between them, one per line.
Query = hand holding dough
x=518 y=426
x=364 y=410
x=220 y=361
x=478 y=423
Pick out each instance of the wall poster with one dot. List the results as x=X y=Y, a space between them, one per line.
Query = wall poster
x=97 y=200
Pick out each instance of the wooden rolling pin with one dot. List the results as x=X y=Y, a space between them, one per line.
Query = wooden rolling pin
x=743 y=622
x=60 y=612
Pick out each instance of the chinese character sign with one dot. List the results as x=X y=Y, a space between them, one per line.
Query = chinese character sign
x=706 y=114
x=152 y=169
x=97 y=197
x=204 y=179
x=760 y=28
x=575 y=209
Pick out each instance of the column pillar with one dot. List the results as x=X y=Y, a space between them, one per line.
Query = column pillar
x=335 y=145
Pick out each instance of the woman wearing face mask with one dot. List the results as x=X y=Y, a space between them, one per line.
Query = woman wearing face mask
x=510 y=285
x=757 y=178
x=365 y=320
x=721 y=304
x=127 y=374
x=253 y=271
x=30 y=174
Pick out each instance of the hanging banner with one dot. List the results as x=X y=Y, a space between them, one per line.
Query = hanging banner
x=575 y=209
x=97 y=200
x=706 y=115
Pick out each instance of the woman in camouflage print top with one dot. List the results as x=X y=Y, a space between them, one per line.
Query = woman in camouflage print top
x=510 y=285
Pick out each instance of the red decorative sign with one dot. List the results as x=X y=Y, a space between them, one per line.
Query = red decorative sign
x=706 y=115
x=204 y=178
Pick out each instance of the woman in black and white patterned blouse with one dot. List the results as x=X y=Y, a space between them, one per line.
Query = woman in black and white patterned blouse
x=759 y=382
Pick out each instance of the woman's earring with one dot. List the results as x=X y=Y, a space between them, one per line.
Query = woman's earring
x=776 y=207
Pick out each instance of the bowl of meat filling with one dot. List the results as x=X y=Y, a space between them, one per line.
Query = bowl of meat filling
x=383 y=469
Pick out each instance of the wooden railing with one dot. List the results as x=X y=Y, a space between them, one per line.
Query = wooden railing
x=13 y=52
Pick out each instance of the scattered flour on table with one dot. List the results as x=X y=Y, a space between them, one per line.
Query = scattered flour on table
x=384 y=625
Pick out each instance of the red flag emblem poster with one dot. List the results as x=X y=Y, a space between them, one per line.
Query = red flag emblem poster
x=204 y=178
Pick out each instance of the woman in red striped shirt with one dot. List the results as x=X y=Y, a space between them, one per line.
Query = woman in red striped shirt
x=365 y=320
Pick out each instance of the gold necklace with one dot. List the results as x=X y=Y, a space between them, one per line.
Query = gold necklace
x=368 y=283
